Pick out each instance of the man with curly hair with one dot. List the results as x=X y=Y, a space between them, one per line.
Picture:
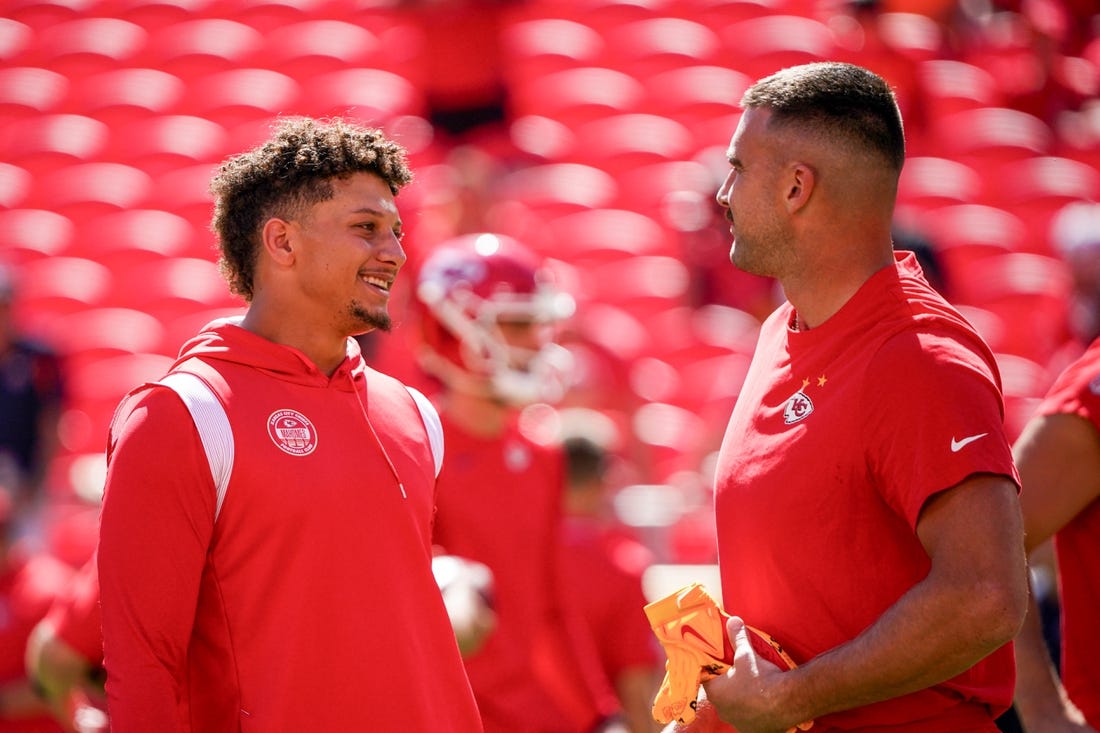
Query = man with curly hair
x=265 y=552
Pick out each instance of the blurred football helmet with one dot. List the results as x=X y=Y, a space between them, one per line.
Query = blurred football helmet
x=488 y=310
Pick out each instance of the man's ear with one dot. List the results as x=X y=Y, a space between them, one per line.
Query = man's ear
x=277 y=240
x=801 y=186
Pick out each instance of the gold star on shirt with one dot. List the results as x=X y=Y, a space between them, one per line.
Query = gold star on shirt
x=805 y=383
x=821 y=381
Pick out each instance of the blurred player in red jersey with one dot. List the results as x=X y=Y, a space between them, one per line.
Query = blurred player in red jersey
x=488 y=313
x=29 y=581
x=65 y=655
x=1058 y=455
x=605 y=564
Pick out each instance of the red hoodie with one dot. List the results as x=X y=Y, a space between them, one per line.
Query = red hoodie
x=308 y=602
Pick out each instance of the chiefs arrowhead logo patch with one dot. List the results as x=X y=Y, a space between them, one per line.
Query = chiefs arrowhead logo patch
x=798 y=408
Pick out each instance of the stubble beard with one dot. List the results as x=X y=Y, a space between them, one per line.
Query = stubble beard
x=370 y=319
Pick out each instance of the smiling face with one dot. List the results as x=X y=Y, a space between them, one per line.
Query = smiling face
x=349 y=253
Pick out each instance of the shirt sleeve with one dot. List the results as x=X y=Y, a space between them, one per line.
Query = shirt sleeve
x=1076 y=391
x=935 y=416
x=157 y=520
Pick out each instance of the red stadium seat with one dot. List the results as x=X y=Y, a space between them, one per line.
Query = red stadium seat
x=97 y=333
x=709 y=386
x=546 y=139
x=761 y=46
x=538 y=46
x=643 y=285
x=554 y=189
x=88 y=45
x=15 y=39
x=603 y=235
x=729 y=327
x=127 y=238
x=965 y=234
x=650 y=188
x=720 y=13
x=241 y=95
x=989 y=136
x=697 y=94
x=626 y=141
x=603 y=15
x=40 y=14
x=1024 y=382
x=198 y=47
x=90 y=189
x=172 y=286
x=15 y=185
x=121 y=95
x=929 y=182
x=913 y=35
x=185 y=192
x=31 y=234
x=27 y=91
x=1036 y=189
x=611 y=328
x=56 y=286
x=579 y=95
x=45 y=143
x=269 y=15
x=1029 y=291
x=652 y=45
x=373 y=96
x=951 y=85
x=168 y=142
x=310 y=47
x=154 y=15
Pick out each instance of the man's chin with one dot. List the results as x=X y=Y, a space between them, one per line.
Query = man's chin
x=372 y=320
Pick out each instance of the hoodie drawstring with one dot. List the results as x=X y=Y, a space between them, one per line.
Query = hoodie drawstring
x=370 y=426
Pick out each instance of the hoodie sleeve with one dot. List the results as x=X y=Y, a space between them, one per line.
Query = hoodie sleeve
x=157 y=520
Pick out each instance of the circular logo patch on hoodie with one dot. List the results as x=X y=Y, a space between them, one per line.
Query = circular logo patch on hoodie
x=292 y=432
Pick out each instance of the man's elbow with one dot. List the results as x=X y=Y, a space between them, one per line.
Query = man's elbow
x=999 y=610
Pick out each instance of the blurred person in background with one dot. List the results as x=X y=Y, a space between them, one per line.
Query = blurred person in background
x=32 y=394
x=605 y=564
x=1058 y=456
x=487 y=314
x=64 y=655
x=29 y=581
x=1075 y=231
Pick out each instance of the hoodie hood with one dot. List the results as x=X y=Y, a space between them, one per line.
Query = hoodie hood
x=223 y=340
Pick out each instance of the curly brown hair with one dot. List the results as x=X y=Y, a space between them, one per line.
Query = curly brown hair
x=292 y=170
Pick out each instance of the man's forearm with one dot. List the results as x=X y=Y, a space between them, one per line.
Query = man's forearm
x=930 y=635
x=1039 y=692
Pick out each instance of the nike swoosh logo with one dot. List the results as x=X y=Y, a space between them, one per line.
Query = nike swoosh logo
x=708 y=646
x=958 y=445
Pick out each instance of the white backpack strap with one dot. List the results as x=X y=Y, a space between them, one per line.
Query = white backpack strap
x=213 y=426
x=433 y=425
